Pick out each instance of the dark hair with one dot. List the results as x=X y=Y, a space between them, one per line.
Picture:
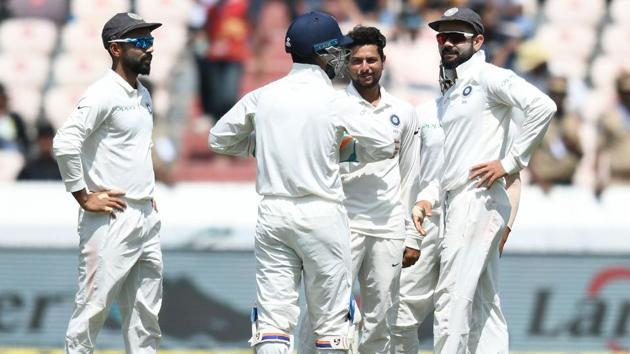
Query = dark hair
x=303 y=60
x=45 y=130
x=362 y=35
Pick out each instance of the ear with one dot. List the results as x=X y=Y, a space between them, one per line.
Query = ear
x=115 y=50
x=478 y=41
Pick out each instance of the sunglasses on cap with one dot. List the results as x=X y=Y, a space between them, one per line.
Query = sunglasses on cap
x=138 y=42
x=454 y=37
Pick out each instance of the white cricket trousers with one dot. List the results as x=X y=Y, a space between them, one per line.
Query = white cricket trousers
x=468 y=316
x=376 y=263
x=417 y=286
x=120 y=259
x=297 y=237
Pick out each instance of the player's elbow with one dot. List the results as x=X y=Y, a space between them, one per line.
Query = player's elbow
x=63 y=146
x=215 y=144
x=549 y=107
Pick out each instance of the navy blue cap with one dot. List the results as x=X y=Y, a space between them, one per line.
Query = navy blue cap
x=313 y=32
x=460 y=14
x=123 y=23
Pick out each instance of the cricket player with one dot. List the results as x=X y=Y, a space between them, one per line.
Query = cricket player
x=104 y=156
x=294 y=127
x=379 y=195
x=418 y=282
x=475 y=111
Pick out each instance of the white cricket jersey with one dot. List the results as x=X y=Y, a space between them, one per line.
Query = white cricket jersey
x=299 y=121
x=475 y=114
x=105 y=144
x=431 y=153
x=380 y=195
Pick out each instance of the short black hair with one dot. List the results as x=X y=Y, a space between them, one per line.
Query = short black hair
x=303 y=60
x=45 y=130
x=363 y=35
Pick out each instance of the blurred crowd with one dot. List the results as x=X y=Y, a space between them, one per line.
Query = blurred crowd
x=572 y=49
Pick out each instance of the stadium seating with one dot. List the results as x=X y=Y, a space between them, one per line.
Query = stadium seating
x=54 y=10
x=31 y=36
x=27 y=101
x=23 y=70
x=79 y=70
x=169 y=12
x=59 y=102
x=582 y=12
x=97 y=11
x=82 y=37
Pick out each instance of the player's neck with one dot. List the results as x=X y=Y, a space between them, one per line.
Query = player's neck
x=370 y=94
x=129 y=76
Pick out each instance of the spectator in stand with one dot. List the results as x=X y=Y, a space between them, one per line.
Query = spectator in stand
x=560 y=152
x=506 y=28
x=227 y=30
x=614 y=137
x=14 y=142
x=13 y=133
x=44 y=166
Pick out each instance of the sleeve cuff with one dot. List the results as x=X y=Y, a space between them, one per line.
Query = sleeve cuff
x=509 y=165
x=413 y=242
x=73 y=186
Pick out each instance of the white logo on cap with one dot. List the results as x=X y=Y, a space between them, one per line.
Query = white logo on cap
x=288 y=42
x=450 y=12
x=134 y=16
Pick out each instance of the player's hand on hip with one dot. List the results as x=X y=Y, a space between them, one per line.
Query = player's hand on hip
x=487 y=172
x=410 y=257
x=104 y=202
x=419 y=211
x=504 y=238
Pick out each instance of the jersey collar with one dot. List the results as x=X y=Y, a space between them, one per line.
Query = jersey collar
x=383 y=103
x=122 y=82
x=472 y=65
x=313 y=72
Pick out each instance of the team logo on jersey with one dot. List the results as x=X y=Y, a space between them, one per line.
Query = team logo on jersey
x=467 y=90
x=395 y=120
x=149 y=108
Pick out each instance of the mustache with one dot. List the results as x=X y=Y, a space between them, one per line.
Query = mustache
x=449 y=51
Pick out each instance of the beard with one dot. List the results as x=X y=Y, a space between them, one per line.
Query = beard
x=461 y=56
x=139 y=65
x=360 y=84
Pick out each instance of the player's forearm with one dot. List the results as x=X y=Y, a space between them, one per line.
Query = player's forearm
x=71 y=170
x=372 y=150
x=232 y=145
x=513 y=186
x=81 y=196
x=538 y=115
x=412 y=238
x=430 y=193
